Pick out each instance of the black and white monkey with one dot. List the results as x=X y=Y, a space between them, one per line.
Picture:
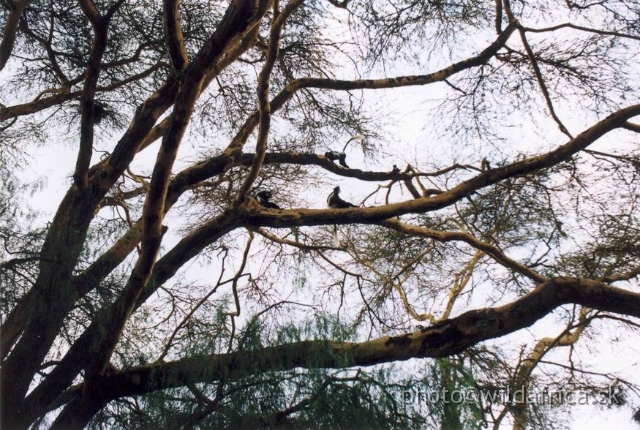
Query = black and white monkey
x=337 y=156
x=263 y=197
x=341 y=156
x=335 y=202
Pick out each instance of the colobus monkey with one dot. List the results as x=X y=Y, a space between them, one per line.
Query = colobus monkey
x=335 y=202
x=340 y=156
x=263 y=198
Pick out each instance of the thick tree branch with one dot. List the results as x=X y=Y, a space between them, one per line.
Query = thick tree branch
x=18 y=317
x=440 y=340
x=88 y=348
x=173 y=35
x=63 y=95
x=166 y=267
x=154 y=207
x=342 y=85
x=125 y=149
x=152 y=229
x=255 y=216
x=87 y=118
x=36 y=105
x=66 y=232
x=55 y=294
x=249 y=40
x=632 y=127
x=10 y=29
x=299 y=217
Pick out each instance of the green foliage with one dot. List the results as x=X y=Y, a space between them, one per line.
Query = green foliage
x=315 y=398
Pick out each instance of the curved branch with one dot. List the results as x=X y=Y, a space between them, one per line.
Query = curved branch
x=236 y=24
x=308 y=217
x=264 y=105
x=581 y=28
x=447 y=236
x=295 y=244
x=440 y=340
x=520 y=410
x=62 y=95
x=37 y=105
x=401 y=81
x=406 y=81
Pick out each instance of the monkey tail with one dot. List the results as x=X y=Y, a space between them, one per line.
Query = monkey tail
x=335 y=238
x=356 y=137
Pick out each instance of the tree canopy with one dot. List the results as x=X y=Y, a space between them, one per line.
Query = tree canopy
x=491 y=168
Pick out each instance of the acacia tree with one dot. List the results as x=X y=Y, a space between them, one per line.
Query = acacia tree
x=101 y=320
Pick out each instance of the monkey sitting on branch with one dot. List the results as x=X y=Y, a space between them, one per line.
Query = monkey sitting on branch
x=342 y=156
